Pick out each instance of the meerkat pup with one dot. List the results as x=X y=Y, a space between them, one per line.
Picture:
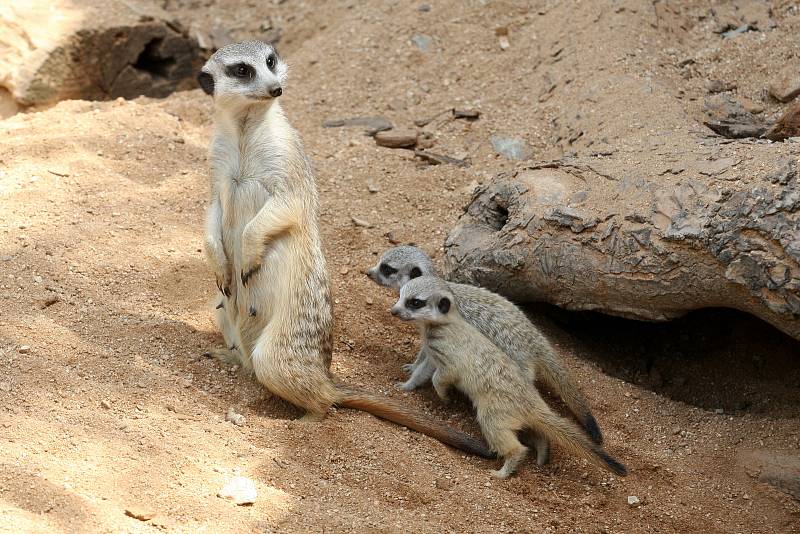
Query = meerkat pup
x=263 y=244
x=505 y=401
x=496 y=318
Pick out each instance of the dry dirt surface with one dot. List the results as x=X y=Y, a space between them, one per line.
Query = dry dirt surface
x=111 y=420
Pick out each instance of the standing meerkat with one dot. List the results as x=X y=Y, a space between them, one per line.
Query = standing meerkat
x=496 y=318
x=263 y=243
x=506 y=403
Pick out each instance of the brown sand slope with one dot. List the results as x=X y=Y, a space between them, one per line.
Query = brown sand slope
x=112 y=407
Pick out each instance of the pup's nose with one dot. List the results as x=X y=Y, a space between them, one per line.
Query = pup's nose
x=274 y=93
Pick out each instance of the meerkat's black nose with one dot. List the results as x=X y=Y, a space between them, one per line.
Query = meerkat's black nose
x=274 y=93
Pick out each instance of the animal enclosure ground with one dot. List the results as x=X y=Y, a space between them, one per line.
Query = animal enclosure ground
x=107 y=404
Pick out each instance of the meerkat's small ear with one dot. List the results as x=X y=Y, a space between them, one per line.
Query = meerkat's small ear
x=206 y=81
x=444 y=305
x=415 y=273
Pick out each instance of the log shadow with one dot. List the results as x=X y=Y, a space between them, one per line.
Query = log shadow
x=715 y=358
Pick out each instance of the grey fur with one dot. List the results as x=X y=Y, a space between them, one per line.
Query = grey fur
x=499 y=320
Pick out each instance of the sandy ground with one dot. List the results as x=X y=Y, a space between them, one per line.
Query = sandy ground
x=107 y=404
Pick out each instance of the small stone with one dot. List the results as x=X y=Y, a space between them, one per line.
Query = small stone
x=369 y=301
x=423 y=42
x=719 y=411
x=344 y=270
x=24 y=349
x=424 y=8
x=373 y=125
x=361 y=222
x=468 y=114
x=396 y=138
x=239 y=490
x=235 y=418
x=140 y=513
x=633 y=500
x=715 y=167
x=503 y=42
x=5 y=387
x=718 y=86
x=105 y=404
x=786 y=85
x=511 y=147
x=372 y=188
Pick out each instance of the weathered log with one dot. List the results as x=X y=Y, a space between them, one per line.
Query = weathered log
x=722 y=233
x=92 y=50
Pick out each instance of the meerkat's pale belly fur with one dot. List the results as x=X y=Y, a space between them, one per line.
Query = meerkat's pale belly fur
x=264 y=209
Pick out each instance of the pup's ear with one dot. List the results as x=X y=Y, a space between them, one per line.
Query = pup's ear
x=206 y=81
x=444 y=305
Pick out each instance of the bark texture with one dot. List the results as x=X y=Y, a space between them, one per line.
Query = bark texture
x=702 y=234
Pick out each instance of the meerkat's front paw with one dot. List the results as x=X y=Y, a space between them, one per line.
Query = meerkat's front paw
x=408 y=368
x=224 y=284
x=405 y=386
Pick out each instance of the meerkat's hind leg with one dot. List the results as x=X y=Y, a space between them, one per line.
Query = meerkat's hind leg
x=536 y=441
x=505 y=442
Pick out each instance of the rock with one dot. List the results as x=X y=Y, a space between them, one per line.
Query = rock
x=105 y=404
x=423 y=42
x=718 y=86
x=5 y=387
x=96 y=51
x=140 y=513
x=424 y=8
x=787 y=126
x=373 y=124
x=786 y=85
x=786 y=172
x=24 y=349
x=372 y=188
x=638 y=244
x=729 y=118
x=239 y=490
x=361 y=222
x=235 y=418
x=438 y=159
x=730 y=34
x=633 y=500
x=715 y=167
x=396 y=138
x=469 y=114
x=511 y=147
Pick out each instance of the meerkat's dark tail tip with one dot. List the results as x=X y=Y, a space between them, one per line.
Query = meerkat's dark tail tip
x=612 y=464
x=593 y=429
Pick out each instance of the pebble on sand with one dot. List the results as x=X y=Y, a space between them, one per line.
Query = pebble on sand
x=239 y=490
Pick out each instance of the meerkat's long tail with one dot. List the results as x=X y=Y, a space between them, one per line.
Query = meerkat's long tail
x=396 y=413
x=558 y=379
x=568 y=435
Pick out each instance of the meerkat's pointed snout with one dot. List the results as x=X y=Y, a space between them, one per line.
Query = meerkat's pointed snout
x=275 y=92
x=395 y=310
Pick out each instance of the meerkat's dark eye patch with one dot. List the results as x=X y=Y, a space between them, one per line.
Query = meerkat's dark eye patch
x=241 y=70
x=415 y=273
x=415 y=304
x=206 y=81
x=444 y=305
x=271 y=62
x=386 y=269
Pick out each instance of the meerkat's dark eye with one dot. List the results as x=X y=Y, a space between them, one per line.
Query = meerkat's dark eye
x=271 y=61
x=241 y=70
x=386 y=269
x=415 y=304
x=415 y=273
